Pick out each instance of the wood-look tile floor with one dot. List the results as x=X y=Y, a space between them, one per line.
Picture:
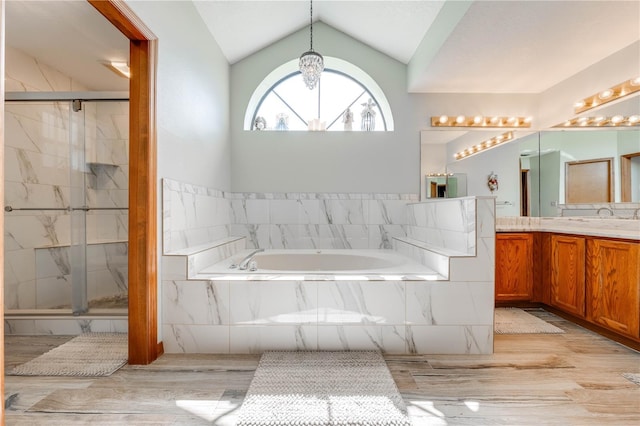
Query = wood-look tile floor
x=543 y=379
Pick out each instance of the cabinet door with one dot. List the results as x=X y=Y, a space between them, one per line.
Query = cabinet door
x=613 y=288
x=514 y=267
x=567 y=274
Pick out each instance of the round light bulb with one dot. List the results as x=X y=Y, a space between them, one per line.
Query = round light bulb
x=477 y=119
x=606 y=94
x=634 y=119
x=443 y=119
x=579 y=104
x=635 y=81
x=617 y=119
x=460 y=119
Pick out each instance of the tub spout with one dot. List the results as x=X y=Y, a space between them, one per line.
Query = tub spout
x=245 y=262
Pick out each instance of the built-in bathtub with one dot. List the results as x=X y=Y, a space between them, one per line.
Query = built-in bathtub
x=432 y=294
x=332 y=264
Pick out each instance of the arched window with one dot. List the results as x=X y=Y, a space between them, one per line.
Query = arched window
x=345 y=99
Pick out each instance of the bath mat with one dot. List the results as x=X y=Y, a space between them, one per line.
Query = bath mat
x=632 y=377
x=517 y=321
x=323 y=388
x=87 y=355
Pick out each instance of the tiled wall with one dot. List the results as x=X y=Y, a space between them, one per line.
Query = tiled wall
x=194 y=215
x=37 y=175
x=448 y=224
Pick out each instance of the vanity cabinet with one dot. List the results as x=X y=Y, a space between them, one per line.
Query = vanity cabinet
x=596 y=280
x=567 y=279
x=514 y=272
x=613 y=285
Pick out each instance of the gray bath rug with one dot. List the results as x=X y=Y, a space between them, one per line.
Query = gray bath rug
x=632 y=377
x=517 y=321
x=323 y=388
x=88 y=355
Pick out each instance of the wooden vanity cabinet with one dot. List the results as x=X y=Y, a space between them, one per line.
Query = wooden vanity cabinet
x=613 y=285
x=514 y=271
x=567 y=279
x=595 y=280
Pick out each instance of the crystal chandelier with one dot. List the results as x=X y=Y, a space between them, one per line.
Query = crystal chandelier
x=311 y=63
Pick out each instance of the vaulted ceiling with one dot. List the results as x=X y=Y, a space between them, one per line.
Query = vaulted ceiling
x=452 y=46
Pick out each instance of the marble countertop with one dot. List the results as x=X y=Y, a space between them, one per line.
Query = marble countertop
x=585 y=225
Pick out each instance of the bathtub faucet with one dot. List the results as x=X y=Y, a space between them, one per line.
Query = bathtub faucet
x=245 y=262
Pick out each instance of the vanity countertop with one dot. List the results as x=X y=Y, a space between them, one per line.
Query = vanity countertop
x=592 y=226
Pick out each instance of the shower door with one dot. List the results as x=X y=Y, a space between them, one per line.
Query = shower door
x=66 y=181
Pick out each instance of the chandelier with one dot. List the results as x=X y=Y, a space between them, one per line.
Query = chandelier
x=311 y=63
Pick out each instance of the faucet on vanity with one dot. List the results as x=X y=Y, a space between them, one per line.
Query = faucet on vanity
x=244 y=263
x=606 y=209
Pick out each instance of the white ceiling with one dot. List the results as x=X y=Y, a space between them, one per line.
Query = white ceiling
x=496 y=47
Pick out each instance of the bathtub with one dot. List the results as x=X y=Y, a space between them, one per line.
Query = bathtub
x=332 y=265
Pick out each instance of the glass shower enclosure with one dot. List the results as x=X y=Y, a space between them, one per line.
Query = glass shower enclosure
x=66 y=199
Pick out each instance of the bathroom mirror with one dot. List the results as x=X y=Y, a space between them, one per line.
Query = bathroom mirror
x=589 y=167
x=541 y=172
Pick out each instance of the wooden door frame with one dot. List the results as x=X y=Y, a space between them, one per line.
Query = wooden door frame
x=625 y=176
x=144 y=347
x=2 y=74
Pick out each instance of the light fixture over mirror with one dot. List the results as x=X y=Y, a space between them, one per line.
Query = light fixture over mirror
x=311 y=63
x=480 y=121
x=611 y=94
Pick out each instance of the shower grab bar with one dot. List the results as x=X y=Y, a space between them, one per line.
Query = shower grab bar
x=68 y=209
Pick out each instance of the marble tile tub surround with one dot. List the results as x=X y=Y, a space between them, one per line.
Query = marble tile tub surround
x=578 y=225
x=194 y=215
x=391 y=316
x=447 y=317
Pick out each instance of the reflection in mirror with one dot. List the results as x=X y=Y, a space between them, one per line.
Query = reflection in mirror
x=446 y=185
x=542 y=173
x=585 y=169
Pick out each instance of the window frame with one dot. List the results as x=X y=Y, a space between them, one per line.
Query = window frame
x=334 y=65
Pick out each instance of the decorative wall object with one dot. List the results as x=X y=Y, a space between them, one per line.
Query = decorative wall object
x=492 y=182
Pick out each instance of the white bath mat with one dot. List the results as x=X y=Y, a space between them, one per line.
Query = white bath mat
x=517 y=321
x=632 y=377
x=323 y=388
x=88 y=355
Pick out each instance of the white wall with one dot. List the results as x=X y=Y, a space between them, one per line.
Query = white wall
x=361 y=162
x=192 y=103
x=193 y=95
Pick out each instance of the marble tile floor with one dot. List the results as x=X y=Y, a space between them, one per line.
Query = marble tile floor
x=545 y=379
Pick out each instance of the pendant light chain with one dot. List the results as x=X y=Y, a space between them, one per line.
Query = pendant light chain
x=311 y=24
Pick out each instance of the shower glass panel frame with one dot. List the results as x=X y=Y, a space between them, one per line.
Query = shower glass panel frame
x=69 y=269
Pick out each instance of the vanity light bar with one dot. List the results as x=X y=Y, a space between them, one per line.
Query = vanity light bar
x=479 y=121
x=439 y=174
x=489 y=143
x=608 y=95
x=601 y=121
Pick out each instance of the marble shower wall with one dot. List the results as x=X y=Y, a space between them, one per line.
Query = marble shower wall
x=195 y=215
x=37 y=175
